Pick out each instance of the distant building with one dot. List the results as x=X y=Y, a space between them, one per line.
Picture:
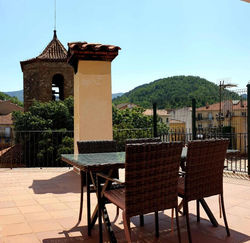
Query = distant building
x=6 y=123
x=48 y=76
x=177 y=125
x=184 y=115
x=163 y=114
x=233 y=115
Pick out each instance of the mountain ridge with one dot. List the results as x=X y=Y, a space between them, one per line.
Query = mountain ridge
x=175 y=92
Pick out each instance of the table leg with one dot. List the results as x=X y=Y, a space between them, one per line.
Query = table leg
x=81 y=201
x=88 y=203
x=208 y=212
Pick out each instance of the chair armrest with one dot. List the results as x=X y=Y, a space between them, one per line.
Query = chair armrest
x=109 y=179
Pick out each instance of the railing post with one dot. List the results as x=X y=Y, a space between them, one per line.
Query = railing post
x=193 y=119
x=154 y=120
x=248 y=126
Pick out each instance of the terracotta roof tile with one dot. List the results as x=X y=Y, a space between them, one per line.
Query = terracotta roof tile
x=6 y=119
x=216 y=107
x=90 y=51
x=84 y=46
x=54 y=52
x=7 y=107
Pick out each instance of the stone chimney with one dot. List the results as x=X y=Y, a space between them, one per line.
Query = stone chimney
x=92 y=90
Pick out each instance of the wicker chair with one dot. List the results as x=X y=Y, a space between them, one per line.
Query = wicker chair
x=203 y=175
x=142 y=140
x=151 y=177
x=85 y=147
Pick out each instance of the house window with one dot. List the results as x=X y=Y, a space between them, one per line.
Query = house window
x=199 y=116
x=210 y=116
x=199 y=126
x=7 y=132
x=244 y=113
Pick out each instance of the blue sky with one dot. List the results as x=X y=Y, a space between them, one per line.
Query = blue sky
x=159 y=38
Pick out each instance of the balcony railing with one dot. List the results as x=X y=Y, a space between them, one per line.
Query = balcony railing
x=44 y=148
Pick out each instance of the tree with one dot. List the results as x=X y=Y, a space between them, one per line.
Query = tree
x=44 y=130
x=132 y=123
x=175 y=92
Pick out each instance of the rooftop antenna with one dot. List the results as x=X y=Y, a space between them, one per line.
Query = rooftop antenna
x=224 y=83
x=55 y=19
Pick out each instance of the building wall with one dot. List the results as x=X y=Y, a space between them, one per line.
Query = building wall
x=37 y=81
x=177 y=126
x=92 y=101
x=185 y=115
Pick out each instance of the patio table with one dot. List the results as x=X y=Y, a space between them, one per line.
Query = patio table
x=97 y=162
x=94 y=163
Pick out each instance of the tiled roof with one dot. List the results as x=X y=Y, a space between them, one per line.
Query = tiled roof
x=7 y=107
x=84 y=46
x=216 y=107
x=90 y=51
x=54 y=51
x=149 y=112
x=6 y=119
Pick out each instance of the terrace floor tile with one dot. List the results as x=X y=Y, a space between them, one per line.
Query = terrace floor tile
x=42 y=205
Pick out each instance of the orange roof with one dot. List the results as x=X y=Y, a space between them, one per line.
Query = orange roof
x=84 y=46
x=149 y=112
x=90 y=51
x=216 y=107
x=6 y=119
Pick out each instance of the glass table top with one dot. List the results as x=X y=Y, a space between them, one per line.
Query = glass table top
x=95 y=159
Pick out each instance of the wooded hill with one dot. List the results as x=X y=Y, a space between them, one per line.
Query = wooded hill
x=14 y=100
x=175 y=92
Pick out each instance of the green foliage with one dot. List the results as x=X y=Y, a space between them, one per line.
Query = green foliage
x=130 y=118
x=175 y=92
x=14 y=100
x=45 y=131
x=132 y=123
x=67 y=147
x=46 y=116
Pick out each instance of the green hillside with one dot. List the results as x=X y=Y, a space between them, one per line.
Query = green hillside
x=14 y=100
x=175 y=92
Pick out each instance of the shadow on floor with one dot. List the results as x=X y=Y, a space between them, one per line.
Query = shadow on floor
x=68 y=182
x=201 y=232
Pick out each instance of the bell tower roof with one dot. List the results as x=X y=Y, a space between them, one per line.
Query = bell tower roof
x=53 y=52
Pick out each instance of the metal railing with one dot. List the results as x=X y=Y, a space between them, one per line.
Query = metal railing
x=43 y=148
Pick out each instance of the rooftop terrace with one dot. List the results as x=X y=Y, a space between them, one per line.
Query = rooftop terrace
x=41 y=205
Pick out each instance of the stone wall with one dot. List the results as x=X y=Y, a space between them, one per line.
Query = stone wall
x=37 y=81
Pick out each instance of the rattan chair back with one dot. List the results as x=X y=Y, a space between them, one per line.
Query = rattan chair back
x=142 y=140
x=85 y=147
x=104 y=146
x=151 y=177
x=204 y=170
